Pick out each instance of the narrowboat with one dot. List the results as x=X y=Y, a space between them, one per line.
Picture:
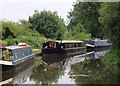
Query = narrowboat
x=69 y=47
x=97 y=43
x=15 y=56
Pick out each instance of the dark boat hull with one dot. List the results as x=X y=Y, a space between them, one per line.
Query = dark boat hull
x=66 y=51
x=12 y=70
x=98 y=48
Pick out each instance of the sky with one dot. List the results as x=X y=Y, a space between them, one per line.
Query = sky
x=14 y=10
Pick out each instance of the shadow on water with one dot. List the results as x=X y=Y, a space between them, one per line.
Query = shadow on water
x=60 y=69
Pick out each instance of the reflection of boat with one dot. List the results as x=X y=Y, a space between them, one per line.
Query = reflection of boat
x=52 y=62
x=53 y=58
x=67 y=47
x=49 y=71
x=97 y=43
x=88 y=55
x=15 y=56
x=79 y=58
x=99 y=54
x=20 y=78
x=54 y=65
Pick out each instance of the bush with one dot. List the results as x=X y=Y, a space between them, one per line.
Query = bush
x=22 y=34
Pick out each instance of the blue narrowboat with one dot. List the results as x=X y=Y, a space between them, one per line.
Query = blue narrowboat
x=97 y=43
x=14 y=56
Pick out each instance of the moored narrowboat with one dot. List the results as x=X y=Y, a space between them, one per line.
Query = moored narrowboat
x=15 y=56
x=69 y=47
x=97 y=43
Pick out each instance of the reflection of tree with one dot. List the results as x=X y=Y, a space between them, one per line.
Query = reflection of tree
x=96 y=71
x=46 y=77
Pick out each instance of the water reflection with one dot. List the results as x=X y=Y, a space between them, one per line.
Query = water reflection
x=43 y=76
x=20 y=78
x=92 y=71
x=59 y=69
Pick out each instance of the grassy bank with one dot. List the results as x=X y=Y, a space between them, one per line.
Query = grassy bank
x=21 y=34
x=112 y=61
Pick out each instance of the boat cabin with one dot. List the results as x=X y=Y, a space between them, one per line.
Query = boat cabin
x=98 y=42
x=63 y=44
x=15 y=53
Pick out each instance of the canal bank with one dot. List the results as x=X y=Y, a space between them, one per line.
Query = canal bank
x=37 y=52
x=112 y=62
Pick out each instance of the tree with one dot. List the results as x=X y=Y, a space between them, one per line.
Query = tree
x=48 y=23
x=110 y=20
x=7 y=33
x=26 y=24
x=85 y=13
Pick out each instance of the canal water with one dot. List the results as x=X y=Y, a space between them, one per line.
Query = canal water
x=59 y=69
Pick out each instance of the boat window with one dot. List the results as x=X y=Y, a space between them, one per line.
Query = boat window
x=76 y=45
x=25 y=51
x=30 y=50
x=16 y=55
x=20 y=53
x=63 y=45
x=66 y=45
x=69 y=45
x=73 y=45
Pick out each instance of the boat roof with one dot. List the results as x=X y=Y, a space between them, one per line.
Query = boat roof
x=16 y=47
x=66 y=41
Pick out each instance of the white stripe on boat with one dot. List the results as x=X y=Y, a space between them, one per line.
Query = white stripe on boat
x=69 y=41
x=89 y=45
x=6 y=81
x=5 y=62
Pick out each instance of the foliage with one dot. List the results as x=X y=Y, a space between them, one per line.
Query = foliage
x=21 y=34
x=85 y=14
x=37 y=62
x=36 y=50
x=48 y=23
x=110 y=20
x=112 y=60
x=26 y=24
x=2 y=43
x=73 y=35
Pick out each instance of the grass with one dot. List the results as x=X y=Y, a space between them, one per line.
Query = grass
x=36 y=50
x=112 y=61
